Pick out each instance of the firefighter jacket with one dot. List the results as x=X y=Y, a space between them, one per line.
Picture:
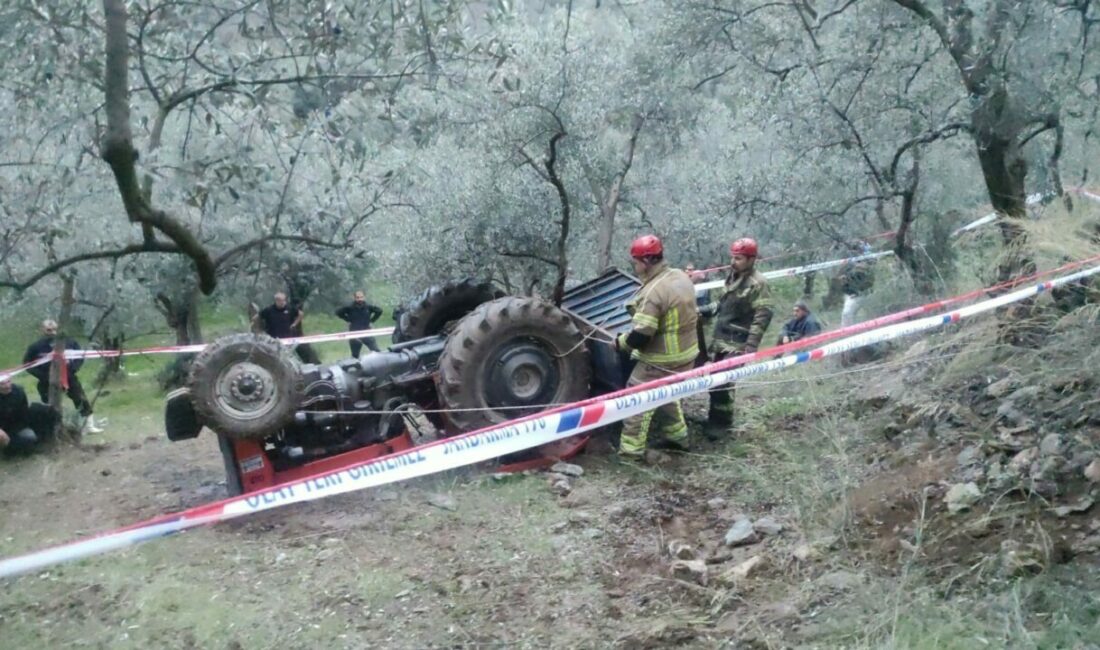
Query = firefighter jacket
x=664 y=310
x=742 y=313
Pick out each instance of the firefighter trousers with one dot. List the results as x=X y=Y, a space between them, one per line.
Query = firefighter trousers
x=666 y=421
x=721 y=399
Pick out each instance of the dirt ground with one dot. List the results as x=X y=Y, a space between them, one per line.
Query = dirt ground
x=508 y=562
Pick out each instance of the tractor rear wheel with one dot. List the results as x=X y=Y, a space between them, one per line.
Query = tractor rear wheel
x=509 y=358
x=245 y=386
x=429 y=313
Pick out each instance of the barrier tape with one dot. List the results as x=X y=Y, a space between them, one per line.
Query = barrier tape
x=881 y=235
x=385 y=331
x=492 y=442
x=1088 y=194
x=799 y=270
x=187 y=349
x=1031 y=200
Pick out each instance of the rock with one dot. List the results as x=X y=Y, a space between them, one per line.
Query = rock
x=1009 y=438
x=1021 y=462
x=1048 y=467
x=1051 y=445
x=681 y=550
x=999 y=478
x=840 y=580
x=442 y=501
x=1017 y=559
x=581 y=517
x=576 y=499
x=918 y=349
x=805 y=553
x=961 y=496
x=978 y=528
x=561 y=486
x=1092 y=472
x=767 y=526
x=1000 y=388
x=1081 y=459
x=1025 y=394
x=716 y=503
x=1082 y=505
x=873 y=400
x=729 y=624
x=972 y=474
x=694 y=571
x=778 y=611
x=617 y=511
x=1044 y=488
x=741 y=533
x=746 y=569
x=908 y=547
x=1087 y=545
x=656 y=458
x=567 y=469
x=1008 y=411
x=969 y=456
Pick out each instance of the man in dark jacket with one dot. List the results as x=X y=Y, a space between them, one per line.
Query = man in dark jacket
x=16 y=435
x=43 y=347
x=359 y=316
x=24 y=427
x=283 y=320
x=801 y=326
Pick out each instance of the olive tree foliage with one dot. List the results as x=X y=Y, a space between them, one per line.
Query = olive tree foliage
x=896 y=108
x=235 y=133
x=546 y=159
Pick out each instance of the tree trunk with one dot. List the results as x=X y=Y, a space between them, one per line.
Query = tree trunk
x=57 y=365
x=609 y=204
x=1004 y=172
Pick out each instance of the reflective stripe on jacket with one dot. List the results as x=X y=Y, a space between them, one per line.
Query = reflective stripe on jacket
x=664 y=309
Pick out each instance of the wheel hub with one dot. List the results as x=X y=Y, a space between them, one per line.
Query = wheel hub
x=521 y=374
x=246 y=390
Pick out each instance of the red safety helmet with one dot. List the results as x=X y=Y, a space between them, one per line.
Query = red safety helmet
x=646 y=246
x=745 y=246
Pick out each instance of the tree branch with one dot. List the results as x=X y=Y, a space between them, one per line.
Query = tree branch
x=926 y=138
x=531 y=256
x=118 y=150
x=132 y=249
x=260 y=241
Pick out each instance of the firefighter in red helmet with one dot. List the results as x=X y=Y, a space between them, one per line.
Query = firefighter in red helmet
x=741 y=311
x=662 y=340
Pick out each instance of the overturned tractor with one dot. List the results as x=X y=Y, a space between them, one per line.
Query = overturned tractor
x=463 y=357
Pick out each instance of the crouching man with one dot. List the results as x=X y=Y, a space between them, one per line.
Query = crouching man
x=16 y=435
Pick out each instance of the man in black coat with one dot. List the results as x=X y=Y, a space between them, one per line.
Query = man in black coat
x=801 y=326
x=359 y=316
x=16 y=435
x=43 y=347
x=283 y=320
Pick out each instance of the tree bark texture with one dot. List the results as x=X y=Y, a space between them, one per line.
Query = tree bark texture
x=117 y=149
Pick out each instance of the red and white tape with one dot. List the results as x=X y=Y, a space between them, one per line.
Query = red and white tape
x=518 y=435
x=188 y=349
x=1032 y=199
x=800 y=270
